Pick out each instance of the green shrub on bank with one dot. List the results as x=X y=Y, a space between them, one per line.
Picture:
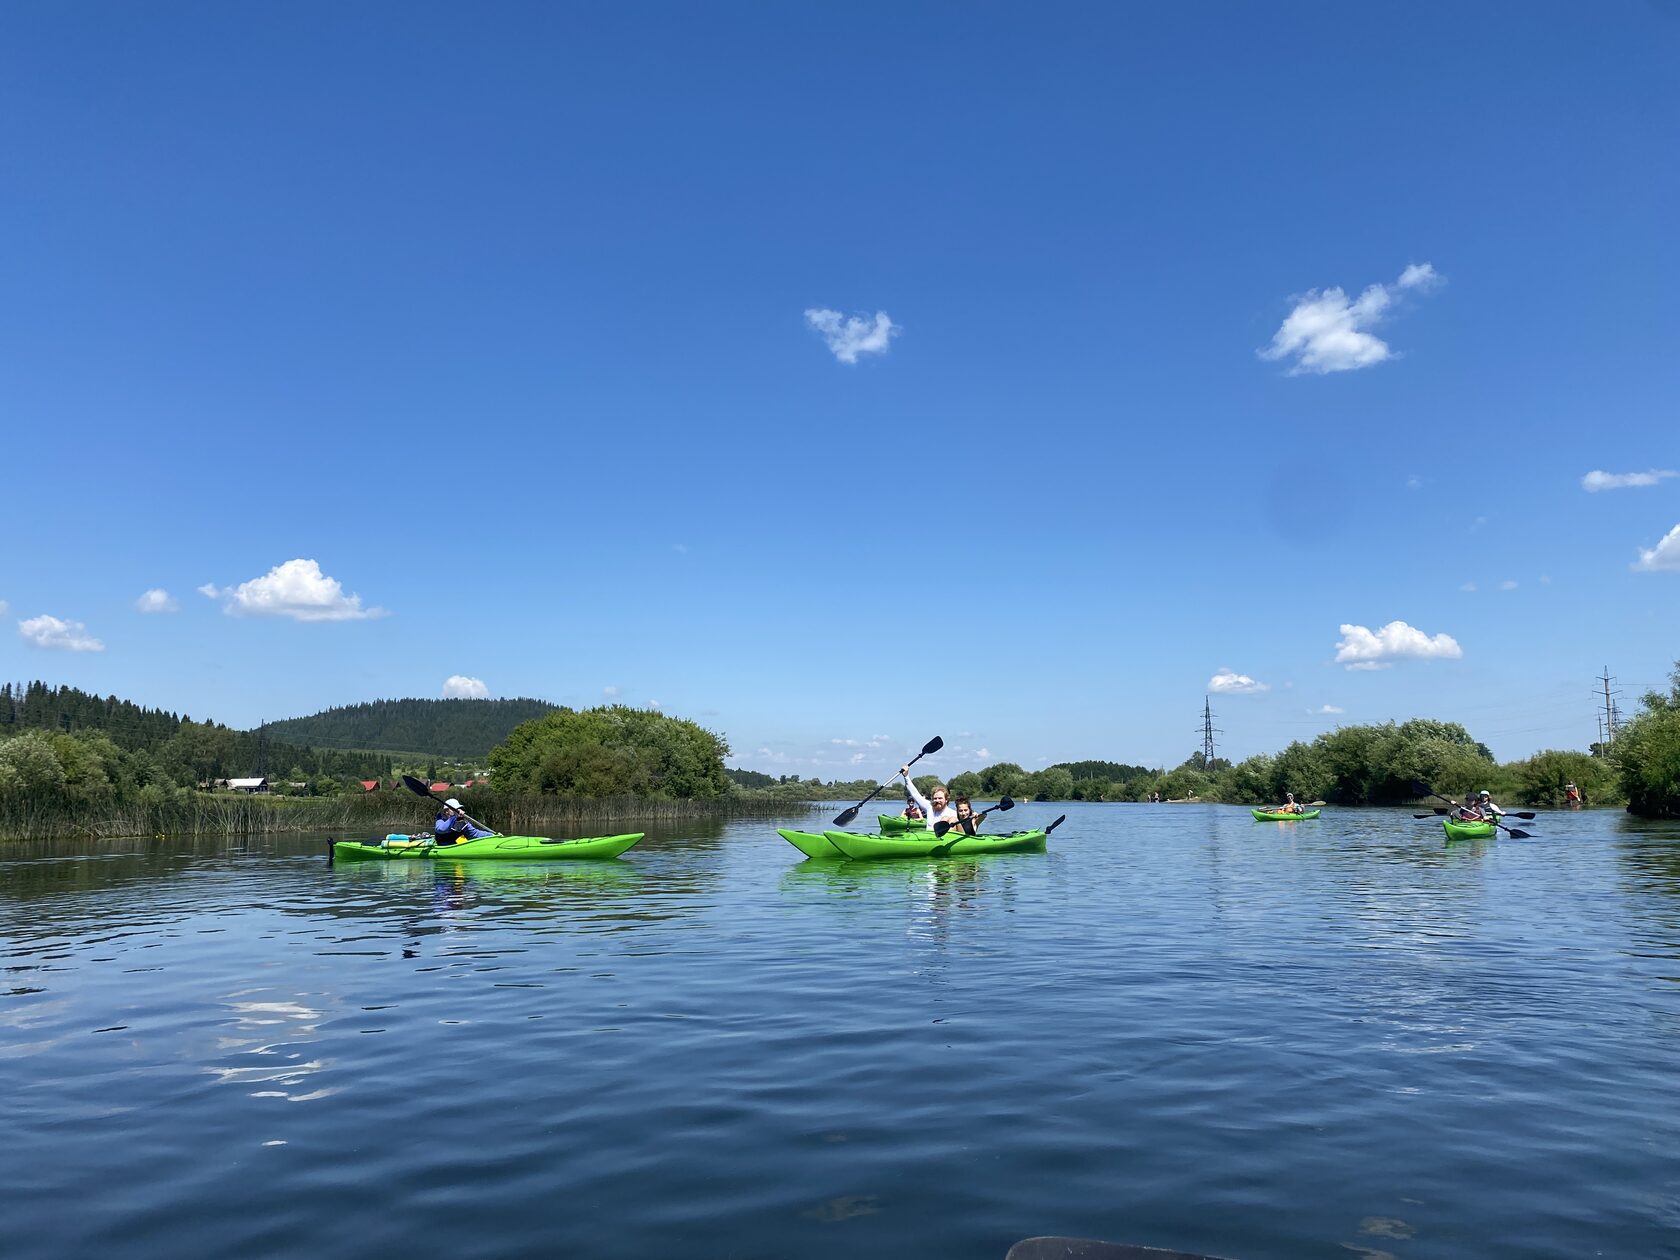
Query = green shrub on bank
x=1647 y=752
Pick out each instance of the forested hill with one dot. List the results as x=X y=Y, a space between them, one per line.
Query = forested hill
x=439 y=728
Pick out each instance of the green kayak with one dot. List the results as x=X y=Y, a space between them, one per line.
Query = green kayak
x=813 y=844
x=860 y=846
x=493 y=848
x=1283 y=815
x=1457 y=830
x=897 y=822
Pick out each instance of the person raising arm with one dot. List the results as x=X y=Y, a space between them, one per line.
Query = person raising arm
x=936 y=805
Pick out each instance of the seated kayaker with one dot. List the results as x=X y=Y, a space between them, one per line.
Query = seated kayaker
x=453 y=826
x=1467 y=812
x=1571 y=794
x=912 y=811
x=967 y=819
x=936 y=810
x=1490 y=811
x=1290 y=805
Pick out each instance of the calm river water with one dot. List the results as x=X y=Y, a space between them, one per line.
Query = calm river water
x=1178 y=1027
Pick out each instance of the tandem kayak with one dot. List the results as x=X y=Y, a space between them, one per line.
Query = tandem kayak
x=1457 y=830
x=1282 y=815
x=494 y=848
x=862 y=847
x=898 y=822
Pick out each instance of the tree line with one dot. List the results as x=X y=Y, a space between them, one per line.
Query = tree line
x=451 y=729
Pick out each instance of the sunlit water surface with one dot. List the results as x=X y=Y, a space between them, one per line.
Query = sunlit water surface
x=1177 y=1027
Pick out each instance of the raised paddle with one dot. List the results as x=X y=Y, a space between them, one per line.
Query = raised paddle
x=845 y=816
x=420 y=789
x=1423 y=789
x=1055 y=824
x=940 y=828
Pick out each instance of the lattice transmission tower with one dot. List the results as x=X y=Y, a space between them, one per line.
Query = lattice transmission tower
x=1209 y=730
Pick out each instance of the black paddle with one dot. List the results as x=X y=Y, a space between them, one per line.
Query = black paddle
x=1423 y=789
x=844 y=818
x=420 y=789
x=940 y=828
x=1055 y=824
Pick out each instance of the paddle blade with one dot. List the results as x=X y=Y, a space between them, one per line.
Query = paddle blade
x=1517 y=834
x=845 y=816
x=1525 y=815
x=940 y=828
x=1005 y=803
x=1422 y=788
x=1426 y=815
x=1055 y=824
x=932 y=746
x=414 y=785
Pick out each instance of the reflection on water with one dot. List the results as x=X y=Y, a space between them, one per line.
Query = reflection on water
x=1177 y=1026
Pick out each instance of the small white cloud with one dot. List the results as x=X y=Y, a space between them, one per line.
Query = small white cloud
x=1420 y=276
x=1328 y=333
x=1595 y=481
x=611 y=693
x=982 y=754
x=51 y=632
x=654 y=704
x=1664 y=557
x=1327 y=709
x=461 y=687
x=297 y=589
x=850 y=336
x=1360 y=648
x=855 y=759
x=1467 y=587
x=1414 y=483
x=1508 y=585
x=1231 y=683
x=157 y=600
x=1545 y=579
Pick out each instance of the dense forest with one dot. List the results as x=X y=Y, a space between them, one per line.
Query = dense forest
x=456 y=729
x=180 y=750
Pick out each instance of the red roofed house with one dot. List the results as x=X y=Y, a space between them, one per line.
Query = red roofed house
x=370 y=785
x=440 y=787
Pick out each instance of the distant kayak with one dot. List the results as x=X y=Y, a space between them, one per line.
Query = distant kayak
x=1457 y=830
x=1283 y=815
x=493 y=848
x=897 y=822
x=861 y=847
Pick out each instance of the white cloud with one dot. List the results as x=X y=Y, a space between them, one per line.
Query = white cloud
x=461 y=687
x=1595 y=481
x=51 y=632
x=850 y=336
x=654 y=704
x=1328 y=333
x=610 y=693
x=1664 y=557
x=1468 y=587
x=4 y=608
x=1508 y=585
x=157 y=600
x=297 y=589
x=1327 y=709
x=1414 y=483
x=982 y=754
x=1421 y=276
x=1545 y=579
x=1360 y=648
x=1231 y=683
x=855 y=759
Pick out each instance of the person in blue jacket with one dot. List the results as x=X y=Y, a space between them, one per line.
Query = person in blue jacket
x=453 y=826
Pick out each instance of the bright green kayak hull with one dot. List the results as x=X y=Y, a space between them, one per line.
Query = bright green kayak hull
x=1281 y=815
x=813 y=844
x=491 y=848
x=897 y=822
x=1468 y=830
x=862 y=847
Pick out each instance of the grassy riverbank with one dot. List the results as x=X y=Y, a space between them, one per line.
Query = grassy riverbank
x=205 y=814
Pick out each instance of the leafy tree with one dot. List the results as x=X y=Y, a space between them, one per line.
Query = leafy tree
x=1303 y=770
x=613 y=750
x=29 y=766
x=1647 y=754
x=1051 y=784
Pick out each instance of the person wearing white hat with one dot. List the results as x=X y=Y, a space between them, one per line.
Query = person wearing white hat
x=453 y=826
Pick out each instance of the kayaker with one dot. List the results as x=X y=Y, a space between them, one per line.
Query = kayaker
x=967 y=819
x=1291 y=805
x=453 y=826
x=1467 y=812
x=1571 y=794
x=912 y=811
x=938 y=808
x=1490 y=811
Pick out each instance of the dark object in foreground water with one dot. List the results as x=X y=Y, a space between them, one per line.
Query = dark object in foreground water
x=1090 y=1249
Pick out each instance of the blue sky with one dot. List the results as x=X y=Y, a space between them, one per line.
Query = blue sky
x=690 y=355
